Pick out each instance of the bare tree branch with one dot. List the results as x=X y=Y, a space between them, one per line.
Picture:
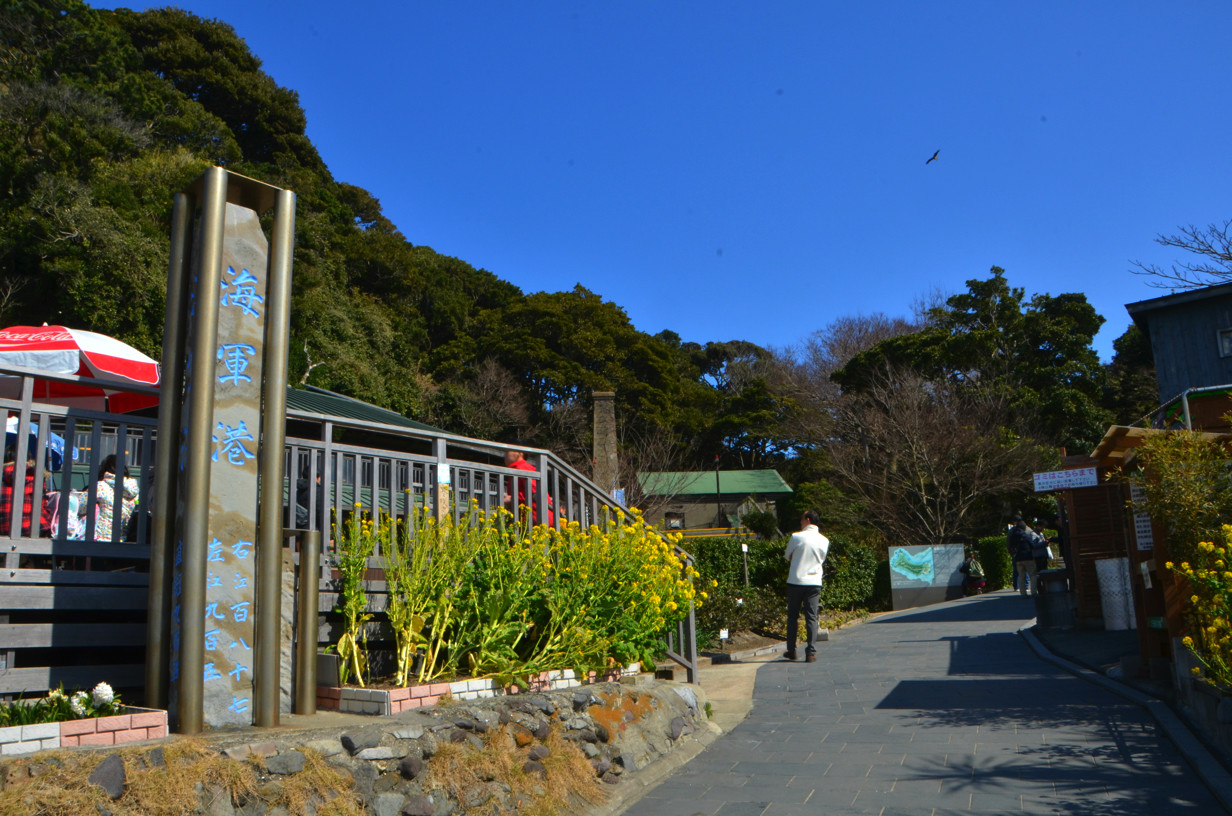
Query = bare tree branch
x=921 y=455
x=1212 y=244
x=311 y=365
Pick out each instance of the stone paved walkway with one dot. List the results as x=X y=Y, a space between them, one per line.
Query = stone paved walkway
x=942 y=710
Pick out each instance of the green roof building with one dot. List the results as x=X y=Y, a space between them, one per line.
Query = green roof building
x=683 y=500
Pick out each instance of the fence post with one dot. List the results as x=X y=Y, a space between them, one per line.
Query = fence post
x=441 y=510
x=306 y=611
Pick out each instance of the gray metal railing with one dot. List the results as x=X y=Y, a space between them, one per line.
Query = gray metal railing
x=64 y=566
x=408 y=471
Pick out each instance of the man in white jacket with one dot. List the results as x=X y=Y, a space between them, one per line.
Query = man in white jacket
x=807 y=552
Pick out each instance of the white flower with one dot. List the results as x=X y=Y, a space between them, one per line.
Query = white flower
x=55 y=695
x=102 y=695
x=78 y=704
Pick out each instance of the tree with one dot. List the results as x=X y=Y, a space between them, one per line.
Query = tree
x=802 y=377
x=1036 y=355
x=923 y=455
x=1212 y=245
x=1132 y=391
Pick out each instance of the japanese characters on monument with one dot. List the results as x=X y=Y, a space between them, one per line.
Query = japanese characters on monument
x=230 y=559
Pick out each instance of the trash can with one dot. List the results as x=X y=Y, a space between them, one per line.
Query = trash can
x=1116 y=596
x=1054 y=607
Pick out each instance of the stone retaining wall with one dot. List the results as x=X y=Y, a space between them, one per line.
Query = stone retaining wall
x=620 y=729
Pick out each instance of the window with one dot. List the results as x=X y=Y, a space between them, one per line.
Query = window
x=1225 y=343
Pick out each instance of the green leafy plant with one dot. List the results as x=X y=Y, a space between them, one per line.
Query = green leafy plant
x=995 y=558
x=850 y=573
x=765 y=525
x=1210 y=610
x=355 y=546
x=1184 y=476
x=57 y=706
x=406 y=574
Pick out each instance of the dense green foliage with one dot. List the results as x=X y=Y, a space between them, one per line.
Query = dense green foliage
x=1037 y=354
x=761 y=606
x=850 y=571
x=995 y=559
x=104 y=115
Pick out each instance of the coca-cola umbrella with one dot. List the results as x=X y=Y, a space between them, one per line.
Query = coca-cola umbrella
x=60 y=350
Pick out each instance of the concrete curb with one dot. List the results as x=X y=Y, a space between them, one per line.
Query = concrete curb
x=1209 y=769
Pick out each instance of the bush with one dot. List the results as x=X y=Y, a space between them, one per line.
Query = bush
x=765 y=525
x=720 y=559
x=740 y=609
x=851 y=571
x=850 y=574
x=995 y=558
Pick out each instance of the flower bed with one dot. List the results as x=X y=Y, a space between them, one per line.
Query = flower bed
x=133 y=725
x=384 y=702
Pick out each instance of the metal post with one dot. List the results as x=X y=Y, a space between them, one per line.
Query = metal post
x=200 y=402
x=442 y=480
x=306 y=622
x=267 y=648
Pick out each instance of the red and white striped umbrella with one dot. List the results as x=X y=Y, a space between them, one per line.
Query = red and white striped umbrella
x=60 y=350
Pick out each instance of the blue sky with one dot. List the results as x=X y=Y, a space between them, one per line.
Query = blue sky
x=736 y=170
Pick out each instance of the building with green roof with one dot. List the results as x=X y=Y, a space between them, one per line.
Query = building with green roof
x=684 y=500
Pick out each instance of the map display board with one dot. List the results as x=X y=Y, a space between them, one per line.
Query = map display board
x=922 y=575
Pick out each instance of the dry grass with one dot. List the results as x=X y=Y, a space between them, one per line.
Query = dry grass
x=319 y=781
x=63 y=788
x=170 y=790
x=457 y=768
x=60 y=790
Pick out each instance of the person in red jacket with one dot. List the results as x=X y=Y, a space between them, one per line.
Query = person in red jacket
x=523 y=492
x=8 y=498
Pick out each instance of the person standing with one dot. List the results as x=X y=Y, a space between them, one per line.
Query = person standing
x=524 y=492
x=806 y=553
x=1022 y=548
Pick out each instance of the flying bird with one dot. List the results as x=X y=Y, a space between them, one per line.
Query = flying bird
x=934 y=158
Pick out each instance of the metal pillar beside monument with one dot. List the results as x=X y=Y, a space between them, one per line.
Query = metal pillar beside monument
x=213 y=634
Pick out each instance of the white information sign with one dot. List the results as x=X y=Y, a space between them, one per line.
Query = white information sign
x=1062 y=479
x=1142 y=521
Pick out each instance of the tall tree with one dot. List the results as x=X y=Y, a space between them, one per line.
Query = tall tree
x=1036 y=354
x=924 y=456
x=1133 y=391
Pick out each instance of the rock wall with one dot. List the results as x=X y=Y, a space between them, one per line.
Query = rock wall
x=580 y=746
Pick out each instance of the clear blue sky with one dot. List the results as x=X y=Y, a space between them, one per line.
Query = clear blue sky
x=736 y=170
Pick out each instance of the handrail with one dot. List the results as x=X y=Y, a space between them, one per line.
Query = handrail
x=341 y=467
x=583 y=499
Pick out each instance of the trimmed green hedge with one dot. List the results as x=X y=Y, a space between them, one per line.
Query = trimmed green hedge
x=851 y=573
x=849 y=584
x=995 y=558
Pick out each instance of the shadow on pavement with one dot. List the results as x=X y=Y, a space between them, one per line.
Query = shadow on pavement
x=1133 y=772
x=980 y=608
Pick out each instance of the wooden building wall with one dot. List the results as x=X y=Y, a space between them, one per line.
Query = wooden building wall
x=1185 y=343
x=1098 y=529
